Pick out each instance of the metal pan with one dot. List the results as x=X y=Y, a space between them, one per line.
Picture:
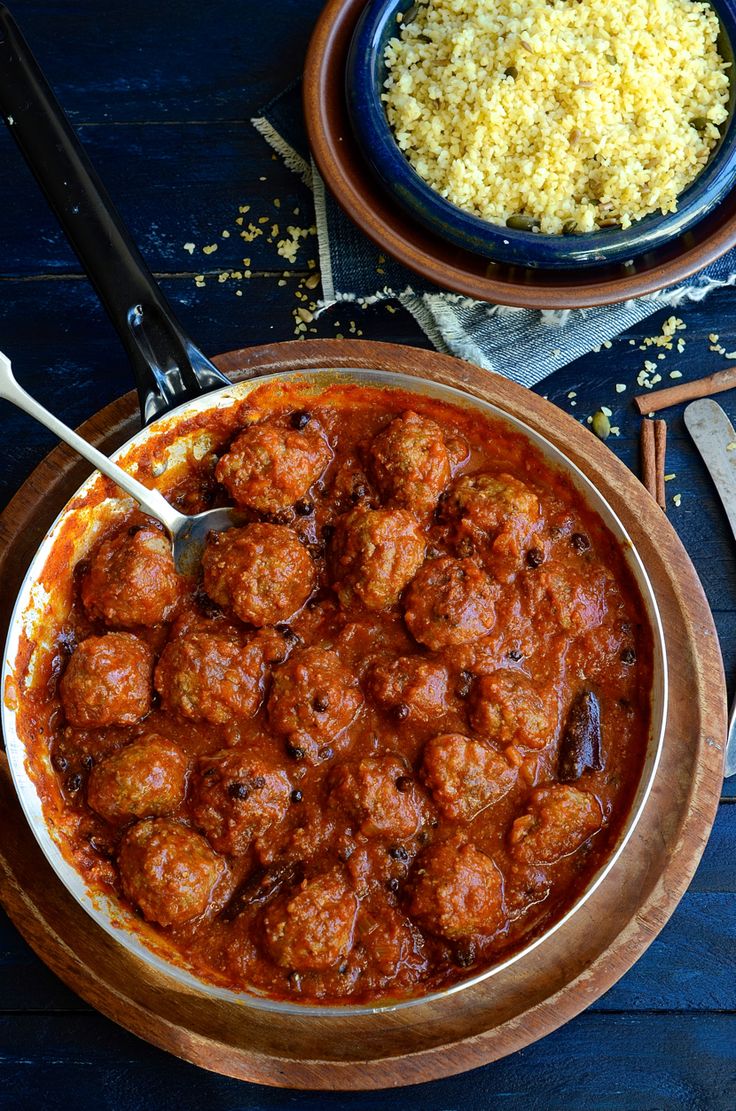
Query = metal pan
x=44 y=599
x=175 y=383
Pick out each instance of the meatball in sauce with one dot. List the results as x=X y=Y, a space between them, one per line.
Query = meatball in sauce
x=132 y=580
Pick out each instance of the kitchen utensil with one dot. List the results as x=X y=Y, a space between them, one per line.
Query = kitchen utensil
x=168 y=367
x=715 y=439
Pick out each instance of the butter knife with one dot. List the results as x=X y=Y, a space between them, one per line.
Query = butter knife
x=715 y=439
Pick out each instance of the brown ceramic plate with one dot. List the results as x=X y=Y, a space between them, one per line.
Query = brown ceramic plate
x=363 y=199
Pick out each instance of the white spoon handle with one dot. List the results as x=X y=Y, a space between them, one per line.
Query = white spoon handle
x=150 y=501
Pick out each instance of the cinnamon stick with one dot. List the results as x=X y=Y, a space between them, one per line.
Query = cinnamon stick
x=648 y=457
x=686 y=391
x=653 y=450
x=660 y=449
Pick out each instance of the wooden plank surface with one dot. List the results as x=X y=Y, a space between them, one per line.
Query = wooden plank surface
x=680 y=1062
x=140 y=75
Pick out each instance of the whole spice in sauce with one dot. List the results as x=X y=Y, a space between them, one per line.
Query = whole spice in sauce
x=580 y=542
x=580 y=749
x=260 y=887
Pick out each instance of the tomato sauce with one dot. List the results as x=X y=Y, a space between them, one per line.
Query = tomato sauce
x=389 y=734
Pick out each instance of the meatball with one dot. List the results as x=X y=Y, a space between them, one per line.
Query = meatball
x=457 y=891
x=577 y=606
x=495 y=506
x=410 y=687
x=506 y=708
x=410 y=464
x=465 y=776
x=313 y=700
x=107 y=682
x=147 y=778
x=269 y=466
x=451 y=601
x=374 y=554
x=380 y=796
x=558 y=821
x=211 y=676
x=312 y=929
x=237 y=796
x=132 y=579
x=261 y=572
x=168 y=871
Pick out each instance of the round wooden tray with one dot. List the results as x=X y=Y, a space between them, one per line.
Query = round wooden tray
x=512 y=1009
x=364 y=199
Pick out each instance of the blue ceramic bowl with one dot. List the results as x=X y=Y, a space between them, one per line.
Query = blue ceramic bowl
x=365 y=77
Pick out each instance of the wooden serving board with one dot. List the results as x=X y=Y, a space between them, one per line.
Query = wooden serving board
x=555 y=982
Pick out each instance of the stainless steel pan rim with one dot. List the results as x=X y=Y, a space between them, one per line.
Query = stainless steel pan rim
x=107 y=913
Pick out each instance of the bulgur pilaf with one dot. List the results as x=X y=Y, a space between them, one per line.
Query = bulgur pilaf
x=566 y=116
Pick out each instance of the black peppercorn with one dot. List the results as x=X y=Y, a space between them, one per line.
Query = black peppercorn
x=238 y=790
x=304 y=507
x=628 y=656
x=398 y=852
x=515 y=655
x=401 y=712
x=74 y=782
x=534 y=557
x=300 y=419
x=465 y=682
x=580 y=542
x=320 y=703
x=296 y=796
x=392 y=885
x=465 y=954
x=326 y=753
x=59 y=762
x=88 y=762
x=403 y=783
x=295 y=752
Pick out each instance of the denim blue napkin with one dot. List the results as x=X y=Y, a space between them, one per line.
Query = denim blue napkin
x=353 y=269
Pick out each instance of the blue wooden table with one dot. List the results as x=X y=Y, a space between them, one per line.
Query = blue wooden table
x=162 y=94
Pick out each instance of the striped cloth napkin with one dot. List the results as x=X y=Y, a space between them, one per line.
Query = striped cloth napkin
x=353 y=269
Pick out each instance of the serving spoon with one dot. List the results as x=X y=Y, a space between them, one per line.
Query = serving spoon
x=188 y=533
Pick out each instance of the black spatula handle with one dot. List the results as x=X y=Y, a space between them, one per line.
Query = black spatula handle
x=168 y=367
